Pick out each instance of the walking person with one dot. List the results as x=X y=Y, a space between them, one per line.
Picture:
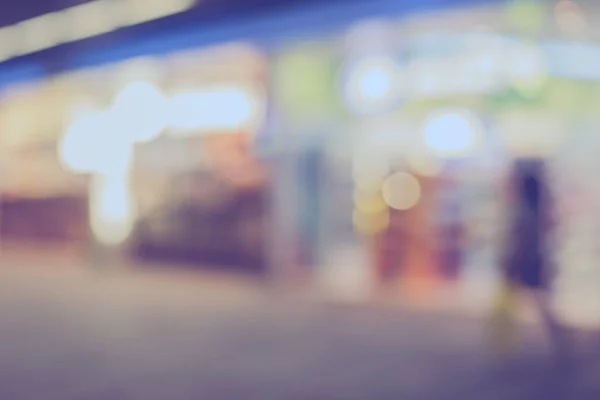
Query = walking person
x=526 y=260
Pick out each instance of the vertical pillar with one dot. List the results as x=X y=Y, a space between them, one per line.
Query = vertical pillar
x=281 y=237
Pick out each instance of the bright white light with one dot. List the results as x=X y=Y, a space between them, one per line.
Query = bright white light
x=370 y=84
x=111 y=209
x=92 y=144
x=401 y=191
x=375 y=83
x=139 y=112
x=218 y=108
x=83 y=141
x=452 y=132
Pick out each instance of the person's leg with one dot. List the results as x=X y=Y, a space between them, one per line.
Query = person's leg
x=503 y=324
x=559 y=334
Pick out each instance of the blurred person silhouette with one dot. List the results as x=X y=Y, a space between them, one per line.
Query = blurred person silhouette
x=526 y=259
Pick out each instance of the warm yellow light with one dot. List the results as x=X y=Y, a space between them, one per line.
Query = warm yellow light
x=369 y=203
x=370 y=223
x=401 y=191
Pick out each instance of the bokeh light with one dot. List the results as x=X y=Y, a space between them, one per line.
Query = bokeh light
x=86 y=144
x=453 y=132
x=369 y=202
x=401 y=191
x=219 y=108
x=368 y=223
x=140 y=112
x=111 y=209
x=369 y=84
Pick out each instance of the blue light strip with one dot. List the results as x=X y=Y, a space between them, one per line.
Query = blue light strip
x=277 y=24
x=24 y=72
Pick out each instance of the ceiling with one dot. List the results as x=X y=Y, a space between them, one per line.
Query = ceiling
x=17 y=11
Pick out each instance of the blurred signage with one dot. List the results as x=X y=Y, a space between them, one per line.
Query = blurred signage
x=465 y=64
x=441 y=65
x=574 y=60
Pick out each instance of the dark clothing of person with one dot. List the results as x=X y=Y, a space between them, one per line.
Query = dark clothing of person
x=526 y=260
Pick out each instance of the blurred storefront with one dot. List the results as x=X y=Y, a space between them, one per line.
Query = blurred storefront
x=417 y=120
x=201 y=190
x=365 y=154
x=152 y=154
